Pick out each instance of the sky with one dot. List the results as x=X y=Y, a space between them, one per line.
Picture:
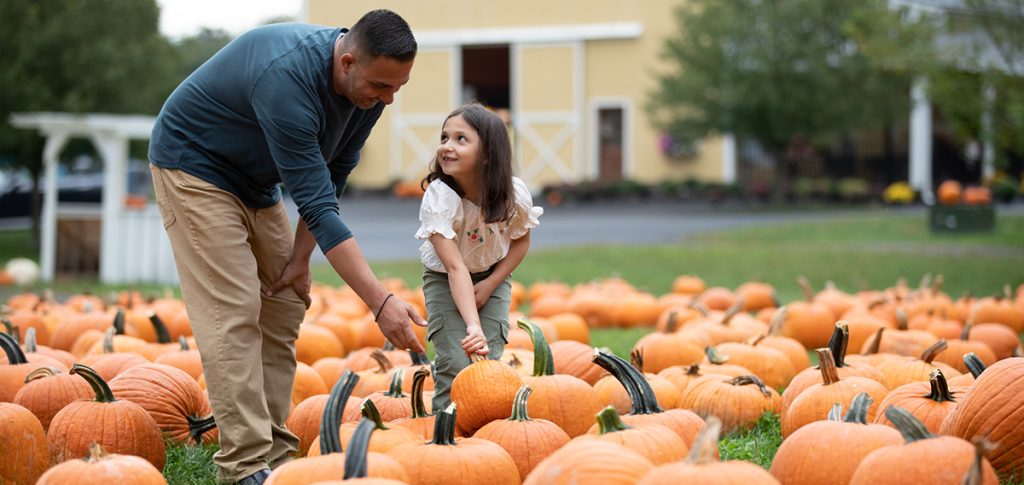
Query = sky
x=181 y=18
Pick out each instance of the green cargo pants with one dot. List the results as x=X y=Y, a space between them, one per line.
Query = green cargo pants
x=446 y=328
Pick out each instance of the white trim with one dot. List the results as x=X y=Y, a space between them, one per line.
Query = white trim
x=626 y=105
x=920 y=172
x=303 y=15
x=579 y=106
x=515 y=71
x=455 y=76
x=530 y=35
x=729 y=158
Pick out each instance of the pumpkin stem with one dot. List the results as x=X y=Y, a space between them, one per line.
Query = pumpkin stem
x=419 y=410
x=733 y=310
x=756 y=339
x=418 y=358
x=99 y=386
x=444 y=427
x=608 y=421
x=751 y=379
x=926 y=281
x=41 y=373
x=397 y=379
x=974 y=364
x=475 y=357
x=358 y=449
x=693 y=370
x=805 y=286
x=700 y=307
x=184 y=343
x=671 y=322
x=543 y=364
x=876 y=341
x=369 y=411
x=908 y=426
x=640 y=392
x=162 y=335
x=714 y=356
x=196 y=427
x=383 y=364
x=839 y=342
x=778 y=318
x=330 y=420
x=836 y=413
x=705 y=446
x=636 y=358
x=939 y=387
x=858 y=412
x=12 y=330
x=519 y=404
x=965 y=334
x=30 y=340
x=827 y=366
x=937 y=284
x=901 y=318
x=10 y=347
x=976 y=474
x=96 y=453
x=119 y=321
x=929 y=354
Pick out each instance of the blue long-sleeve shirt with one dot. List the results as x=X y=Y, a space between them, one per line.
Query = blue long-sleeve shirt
x=262 y=112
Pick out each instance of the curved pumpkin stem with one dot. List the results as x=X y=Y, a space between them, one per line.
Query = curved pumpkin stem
x=419 y=409
x=778 y=318
x=751 y=379
x=908 y=426
x=827 y=366
x=976 y=474
x=974 y=364
x=162 y=335
x=369 y=411
x=858 y=412
x=184 y=343
x=608 y=421
x=876 y=341
x=330 y=420
x=383 y=363
x=99 y=386
x=41 y=373
x=108 y=340
x=543 y=363
x=839 y=342
x=930 y=353
x=705 y=446
x=10 y=347
x=733 y=310
x=197 y=427
x=901 y=318
x=358 y=448
x=418 y=358
x=519 y=404
x=693 y=370
x=671 y=322
x=475 y=357
x=636 y=359
x=700 y=307
x=805 y=286
x=640 y=392
x=444 y=427
x=939 y=387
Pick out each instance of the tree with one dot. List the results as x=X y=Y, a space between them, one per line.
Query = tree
x=77 y=56
x=786 y=73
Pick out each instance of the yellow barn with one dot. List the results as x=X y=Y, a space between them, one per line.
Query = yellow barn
x=572 y=77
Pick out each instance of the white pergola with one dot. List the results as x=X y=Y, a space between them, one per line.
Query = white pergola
x=133 y=246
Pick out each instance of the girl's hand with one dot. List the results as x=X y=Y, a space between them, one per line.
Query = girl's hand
x=482 y=292
x=475 y=341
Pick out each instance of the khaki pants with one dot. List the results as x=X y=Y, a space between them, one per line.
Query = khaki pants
x=226 y=255
x=446 y=329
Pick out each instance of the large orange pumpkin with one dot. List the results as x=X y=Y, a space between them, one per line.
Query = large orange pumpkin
x=590 y=462
x=815 y=402
x=527 y=440
x=47 y=391
x=100 y=468
x=26 y=454
x=172 y=397
x=484 y=391
x=703 y=465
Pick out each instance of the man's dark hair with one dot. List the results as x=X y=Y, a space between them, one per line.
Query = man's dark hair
x=382 y=33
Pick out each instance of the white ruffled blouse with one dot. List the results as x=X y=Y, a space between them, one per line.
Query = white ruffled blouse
x=481 y=244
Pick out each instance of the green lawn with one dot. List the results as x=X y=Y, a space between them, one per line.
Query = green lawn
x=854 y=252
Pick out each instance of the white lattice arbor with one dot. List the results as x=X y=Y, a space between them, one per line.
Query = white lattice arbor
x=133 y=246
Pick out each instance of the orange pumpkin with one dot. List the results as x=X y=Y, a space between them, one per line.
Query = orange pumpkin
x=26 y=455
x=484 y=391
x=703 y=465
x=47 y=391
x=100 y=468
x=527 y=440
x=815 y=402
x=172 y=397
x=949 y=192
x=652 y=441
x=420 y=421
x=574 y=359
x=590 y=462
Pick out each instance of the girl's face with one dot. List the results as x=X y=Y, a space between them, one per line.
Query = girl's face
x=459 y=150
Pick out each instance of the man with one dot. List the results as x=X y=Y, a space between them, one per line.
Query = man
x=291 y=104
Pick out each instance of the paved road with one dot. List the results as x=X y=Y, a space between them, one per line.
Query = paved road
x=385 y=227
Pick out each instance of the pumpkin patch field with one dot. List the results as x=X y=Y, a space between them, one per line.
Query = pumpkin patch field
x=849 y=353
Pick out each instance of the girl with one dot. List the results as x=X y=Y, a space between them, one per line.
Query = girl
x=476 y=218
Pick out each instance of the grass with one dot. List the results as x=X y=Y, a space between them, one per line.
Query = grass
x=855 y=251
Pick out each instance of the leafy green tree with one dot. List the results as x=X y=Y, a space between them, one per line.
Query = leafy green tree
x=786 y=73
x=78 y=56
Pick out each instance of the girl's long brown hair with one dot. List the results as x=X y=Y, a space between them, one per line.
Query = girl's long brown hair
x=494 y=175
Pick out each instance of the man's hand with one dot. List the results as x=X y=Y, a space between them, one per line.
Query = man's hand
x=394 y=323
x=482 y=292
x=475 y=341
x=297 y=276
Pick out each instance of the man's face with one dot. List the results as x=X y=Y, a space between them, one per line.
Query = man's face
x=366 y=81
